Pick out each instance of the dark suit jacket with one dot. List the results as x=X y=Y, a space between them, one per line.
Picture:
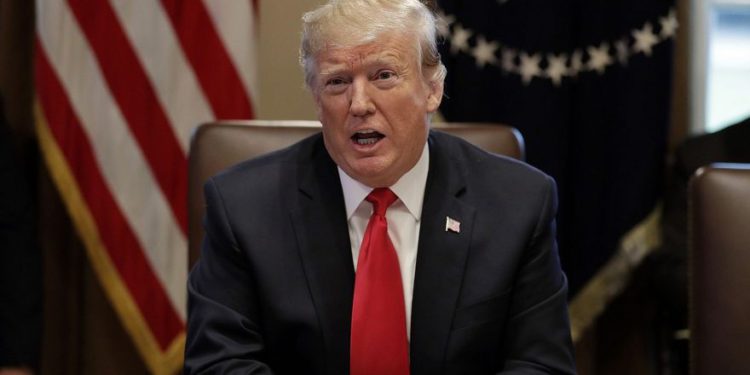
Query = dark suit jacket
x=272 y=292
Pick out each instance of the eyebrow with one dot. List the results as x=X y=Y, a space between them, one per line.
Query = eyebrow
x=382 y=59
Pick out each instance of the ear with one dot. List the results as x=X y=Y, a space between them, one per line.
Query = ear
x=435 y=95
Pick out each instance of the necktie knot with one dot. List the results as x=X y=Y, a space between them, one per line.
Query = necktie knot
x=381 y=199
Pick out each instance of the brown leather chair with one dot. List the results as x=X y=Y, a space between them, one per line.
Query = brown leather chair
x=719 y=234
x=218 y=145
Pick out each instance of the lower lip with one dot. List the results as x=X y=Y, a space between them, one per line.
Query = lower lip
x=366 y=146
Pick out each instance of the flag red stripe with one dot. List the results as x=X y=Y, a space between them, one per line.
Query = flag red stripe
x=205 y=50
x=134 y=94
x=116 y=234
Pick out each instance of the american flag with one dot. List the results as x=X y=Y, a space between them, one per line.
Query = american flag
x=120 y=86
x=452 y=225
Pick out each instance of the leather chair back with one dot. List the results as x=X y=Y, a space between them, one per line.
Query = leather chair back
x=719 y=234
x=218 y=145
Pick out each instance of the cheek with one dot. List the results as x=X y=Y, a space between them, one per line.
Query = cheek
x=334 y=116
x=334 y=106
x=326 y=111
x=318 y=106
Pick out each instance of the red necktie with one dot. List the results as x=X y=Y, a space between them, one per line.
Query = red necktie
x=378 y=344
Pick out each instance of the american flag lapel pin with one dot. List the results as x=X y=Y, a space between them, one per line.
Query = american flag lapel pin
x=452 y=225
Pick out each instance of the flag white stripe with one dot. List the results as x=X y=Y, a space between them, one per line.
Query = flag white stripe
x=155 y=43
x=120 y=160
x=236 y=25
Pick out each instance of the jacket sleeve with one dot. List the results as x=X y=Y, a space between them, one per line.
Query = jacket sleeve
x=538 y=335
x=223 y=334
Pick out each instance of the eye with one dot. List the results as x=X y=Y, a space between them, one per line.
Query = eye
x=335 y=81
x=385 y=75
x=336 y=84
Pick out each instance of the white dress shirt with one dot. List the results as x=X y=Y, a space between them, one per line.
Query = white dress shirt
x=403 y=218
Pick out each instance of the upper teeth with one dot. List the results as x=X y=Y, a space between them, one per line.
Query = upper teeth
x=366 y=131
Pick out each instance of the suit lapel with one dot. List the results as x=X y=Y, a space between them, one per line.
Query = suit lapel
x=323 y=239
x=441 y=261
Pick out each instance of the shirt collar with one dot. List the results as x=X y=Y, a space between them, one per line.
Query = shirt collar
x=409 y=188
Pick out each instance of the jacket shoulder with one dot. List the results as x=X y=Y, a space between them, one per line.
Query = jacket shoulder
x=268 y=174
x=487 y=166
x=279 y=160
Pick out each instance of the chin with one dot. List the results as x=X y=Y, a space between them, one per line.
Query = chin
x=372 y=176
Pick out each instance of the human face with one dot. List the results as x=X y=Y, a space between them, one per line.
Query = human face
x=375 y=105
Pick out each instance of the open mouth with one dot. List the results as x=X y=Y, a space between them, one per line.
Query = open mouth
x=367 y=137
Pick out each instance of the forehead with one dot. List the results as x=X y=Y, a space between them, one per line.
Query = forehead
x=388 y=49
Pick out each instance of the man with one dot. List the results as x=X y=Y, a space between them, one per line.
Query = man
x=458 y=275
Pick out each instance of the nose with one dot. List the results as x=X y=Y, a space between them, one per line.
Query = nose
x=360 y=103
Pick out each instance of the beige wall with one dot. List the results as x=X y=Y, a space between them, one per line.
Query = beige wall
x=282 y=93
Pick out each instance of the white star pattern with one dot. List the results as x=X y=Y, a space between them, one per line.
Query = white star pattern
x=556 y=68
x=669 y=25
x=599 y=58
x=644 y=39
x=529 y=67
x=623 y=52
x=444 y=24
x=460 y=39
x=484 y=52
